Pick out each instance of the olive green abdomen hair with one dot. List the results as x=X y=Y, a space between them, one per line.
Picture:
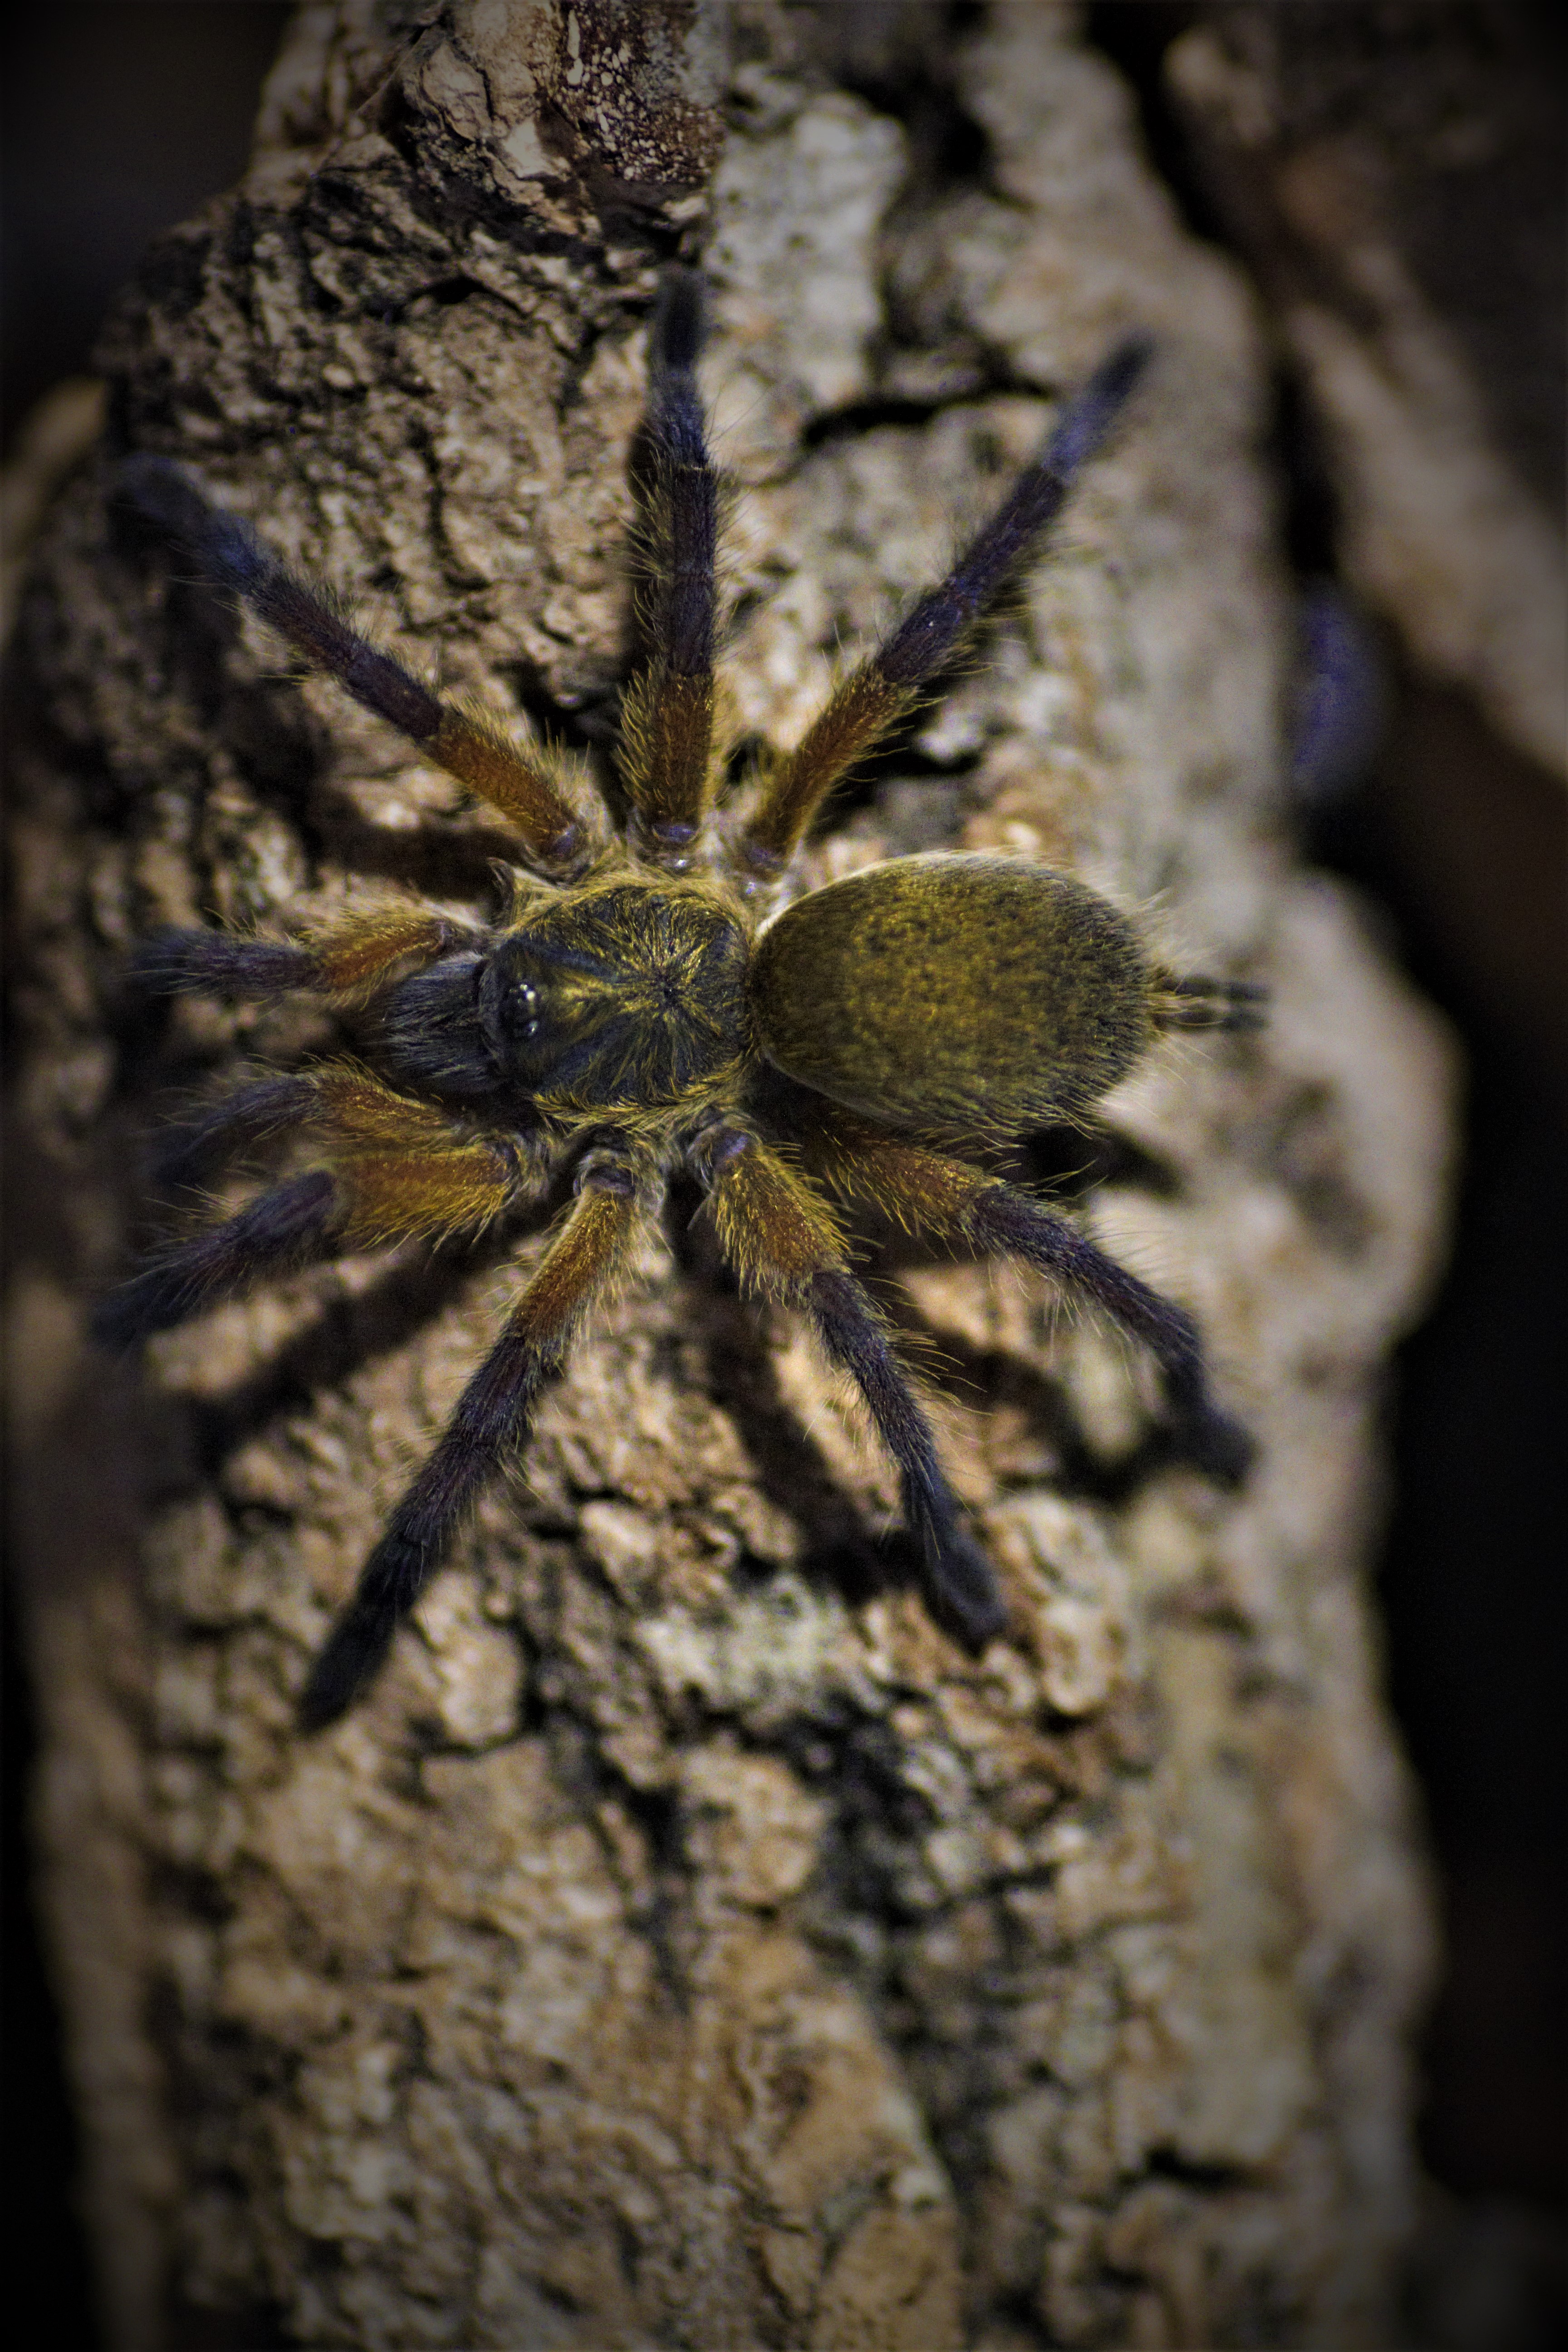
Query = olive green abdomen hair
x=953 y=992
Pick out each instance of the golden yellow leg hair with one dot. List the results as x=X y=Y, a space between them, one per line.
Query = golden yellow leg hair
x=774 y=1228
x=916 y=1187
x=352 y=951
x=666 y=723
x=404 y=1169
x=554 y=819
x=669 y=713
x=342 y=956
x=781 y=1235
x=858 y=714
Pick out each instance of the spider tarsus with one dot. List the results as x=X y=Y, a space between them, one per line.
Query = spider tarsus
x=1211 y=1441
x=163 y=495
x=357 y=1647
x=244 y=1118
x=1201 y=1434
x=923 y=642
x=959 y=1581
x=278 y=1231
x=1089 y=417
x=960 y=1586
x=175 y=962
x=390 y=1583
x=675 y=339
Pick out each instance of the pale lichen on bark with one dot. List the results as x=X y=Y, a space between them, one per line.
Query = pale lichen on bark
x=684 y=1943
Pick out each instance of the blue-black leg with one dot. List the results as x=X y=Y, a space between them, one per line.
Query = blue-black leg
x=931 y=634
x=777 y=1231
x=677 y=433
x=668 y=715
x=1002 y=1218
x=220 y=963
x=491 y=1419
x=286 y=1228
x=532 y=789
x=353 y=953
x=232 y=556
x=929 y=1190
x=881 y=691
x=187 y=1152
x=960 y=1588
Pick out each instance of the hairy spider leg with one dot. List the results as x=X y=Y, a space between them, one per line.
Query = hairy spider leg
x=268 y=1105
x=588 y=1256
x=780 y=1236
x=924 y=1189
x=889 y=683
x=339 y=958
x=960 y=1589
x=291 y=1226
x=409 y=1171
x=668 y=718
x=532 y=789
x=396 y=1169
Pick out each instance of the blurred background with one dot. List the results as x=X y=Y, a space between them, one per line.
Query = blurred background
x=118 y=117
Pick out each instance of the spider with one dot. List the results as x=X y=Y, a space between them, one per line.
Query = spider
x=642 y=1007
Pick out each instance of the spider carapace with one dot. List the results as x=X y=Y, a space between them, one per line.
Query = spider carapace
x=639 y=1009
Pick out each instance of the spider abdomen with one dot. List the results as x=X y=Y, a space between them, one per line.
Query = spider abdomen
x=955 y=992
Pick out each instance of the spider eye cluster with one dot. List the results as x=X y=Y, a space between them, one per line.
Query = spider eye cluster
x=626 y=995
x=523 y=1016
x=517 y=1010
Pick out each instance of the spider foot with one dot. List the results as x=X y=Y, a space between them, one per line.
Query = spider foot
x=283 y=1229
x=960 y=1586
x=1209 y=1441
x=357 y=1646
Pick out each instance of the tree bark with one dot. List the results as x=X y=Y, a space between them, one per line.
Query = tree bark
x=684 y=1943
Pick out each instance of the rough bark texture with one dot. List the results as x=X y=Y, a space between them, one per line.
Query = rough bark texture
x=685 y=1944
x=1392 y=174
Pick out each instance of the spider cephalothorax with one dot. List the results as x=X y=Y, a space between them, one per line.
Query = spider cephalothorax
x=634 y=1010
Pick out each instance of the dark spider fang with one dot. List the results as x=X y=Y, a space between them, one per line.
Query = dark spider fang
x=630 y=1014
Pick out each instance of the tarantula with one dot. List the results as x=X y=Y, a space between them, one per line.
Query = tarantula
x=636 y=1008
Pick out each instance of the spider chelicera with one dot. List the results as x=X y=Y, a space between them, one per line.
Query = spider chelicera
x=636 y=1010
